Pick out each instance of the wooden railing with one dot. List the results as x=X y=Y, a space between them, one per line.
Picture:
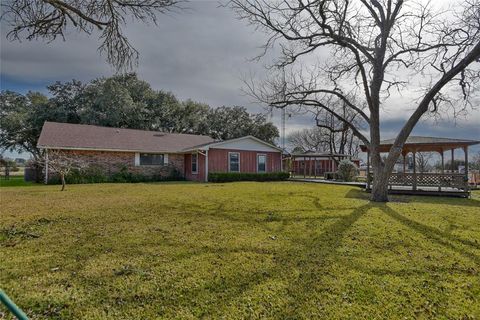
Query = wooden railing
x=440 y=180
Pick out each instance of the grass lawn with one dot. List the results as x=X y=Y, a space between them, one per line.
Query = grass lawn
x=15 y=181
x=240 y=250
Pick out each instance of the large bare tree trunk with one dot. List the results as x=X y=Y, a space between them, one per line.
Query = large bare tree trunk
x=380 y=185
x=370 y=43
x=62 y=177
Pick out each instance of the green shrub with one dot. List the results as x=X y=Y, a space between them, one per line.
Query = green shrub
x=92 y=174
x=240 y=176
x=347 y=170
x=97 y=174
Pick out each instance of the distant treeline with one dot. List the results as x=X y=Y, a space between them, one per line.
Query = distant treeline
x=120 y=101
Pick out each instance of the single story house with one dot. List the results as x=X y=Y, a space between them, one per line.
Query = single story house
x=157 y=153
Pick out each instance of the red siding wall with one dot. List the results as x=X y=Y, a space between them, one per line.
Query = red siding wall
x=218 y=160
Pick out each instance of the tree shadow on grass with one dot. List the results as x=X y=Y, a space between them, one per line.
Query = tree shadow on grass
x=443 y=238
x=437 y=200
x=311 y=257
x=417 y=271
x=316 y=256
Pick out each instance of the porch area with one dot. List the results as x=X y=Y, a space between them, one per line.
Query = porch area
x=313 y=165
x=452 y=180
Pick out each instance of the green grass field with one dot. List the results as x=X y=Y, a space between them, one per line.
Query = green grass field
x=15 y=181
x=234 y=251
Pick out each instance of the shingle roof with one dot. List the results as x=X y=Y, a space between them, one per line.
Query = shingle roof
x=419 y=143
x=431 y=140
x=81 y=136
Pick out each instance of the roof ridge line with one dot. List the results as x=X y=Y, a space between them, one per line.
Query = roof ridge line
x=132 y=129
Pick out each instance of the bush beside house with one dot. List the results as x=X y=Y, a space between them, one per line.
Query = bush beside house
x=96 y=174
x=347 y=170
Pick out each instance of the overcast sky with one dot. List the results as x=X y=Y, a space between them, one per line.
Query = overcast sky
x=202 y=54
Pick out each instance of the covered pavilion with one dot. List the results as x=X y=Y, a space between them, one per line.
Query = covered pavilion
x=448 y=180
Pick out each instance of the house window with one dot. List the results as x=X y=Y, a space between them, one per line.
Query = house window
x=261 y=163
x=234 y=162
x=151 y=159
x=194 y=163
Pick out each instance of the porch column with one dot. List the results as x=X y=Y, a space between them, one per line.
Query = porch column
x=46 y=166
x=206 y=165
x=368 y=169
x=315 y=164
x=404 y=162
x=414 y=182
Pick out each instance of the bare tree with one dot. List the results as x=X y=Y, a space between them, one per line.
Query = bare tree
x=475 y=164
x=372 y=48
x=62 y=163
x=340 y=137
x=330 y=134
x=423 y=161
x=49 y=19
x=312 y=139
x=327 y=139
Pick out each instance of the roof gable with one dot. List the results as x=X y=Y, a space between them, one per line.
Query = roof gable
x=243 y=143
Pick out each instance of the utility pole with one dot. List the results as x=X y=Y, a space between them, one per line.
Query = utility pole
x=283 y=127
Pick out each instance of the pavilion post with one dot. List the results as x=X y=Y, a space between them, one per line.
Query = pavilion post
x=443 y=161
x=310 y=167
x=368 y=170
x=414 y=182
x=453 y=160
x=443 y=169
x=304 y=166
x=465 y=150
x=404 y=163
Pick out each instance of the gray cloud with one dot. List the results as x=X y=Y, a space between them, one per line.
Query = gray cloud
x=201 y=54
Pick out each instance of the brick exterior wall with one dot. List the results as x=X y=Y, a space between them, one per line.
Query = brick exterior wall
x=112 y=162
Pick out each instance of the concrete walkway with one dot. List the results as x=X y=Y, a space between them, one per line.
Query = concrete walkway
x=356 y=184
x=405 y=190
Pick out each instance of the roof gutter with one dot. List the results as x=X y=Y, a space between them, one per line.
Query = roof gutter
x=104 y=149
